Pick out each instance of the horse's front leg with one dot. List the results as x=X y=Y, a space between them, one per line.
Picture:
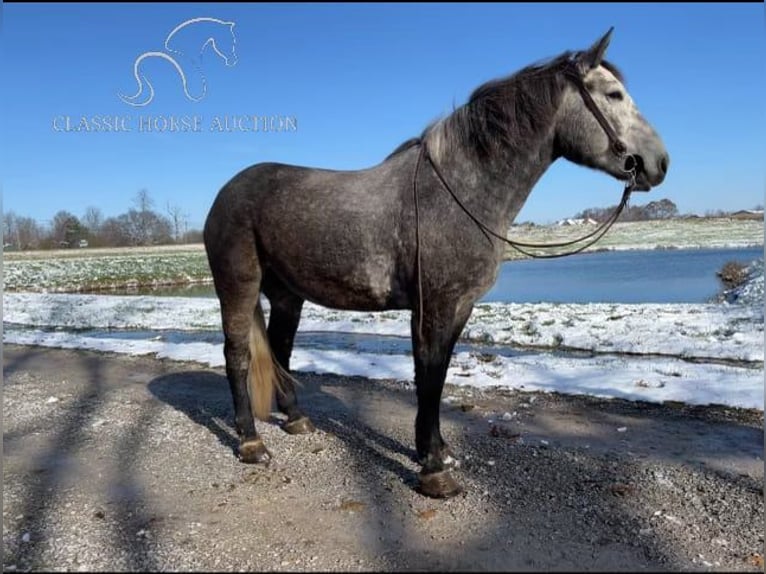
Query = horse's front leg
x=432 y=350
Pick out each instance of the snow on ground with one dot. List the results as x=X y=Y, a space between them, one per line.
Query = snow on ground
x=652 y=379
x=750 y=292
x=688 y=330
x=703 y=332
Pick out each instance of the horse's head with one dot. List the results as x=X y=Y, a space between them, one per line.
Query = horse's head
x=584 y=138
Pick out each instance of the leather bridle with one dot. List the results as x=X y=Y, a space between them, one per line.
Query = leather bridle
x=617 y=147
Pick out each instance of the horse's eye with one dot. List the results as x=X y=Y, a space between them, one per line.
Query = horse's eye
x=615 y=95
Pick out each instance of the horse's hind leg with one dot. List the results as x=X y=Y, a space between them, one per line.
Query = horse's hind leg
x=284 y=317
x=237 y=275
x=238 y=309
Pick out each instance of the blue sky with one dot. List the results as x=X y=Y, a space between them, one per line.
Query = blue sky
x=360 y=79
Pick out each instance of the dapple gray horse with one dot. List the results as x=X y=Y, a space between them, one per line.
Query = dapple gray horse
x=392 y=237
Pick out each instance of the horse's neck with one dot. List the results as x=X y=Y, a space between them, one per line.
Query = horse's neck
x=496 y=189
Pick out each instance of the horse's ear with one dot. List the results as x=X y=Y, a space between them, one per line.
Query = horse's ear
x=593 y=56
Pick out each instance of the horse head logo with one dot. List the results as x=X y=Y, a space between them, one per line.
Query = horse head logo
x=180 y=45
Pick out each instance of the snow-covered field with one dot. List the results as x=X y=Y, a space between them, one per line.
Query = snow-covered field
x=698 y=354
x=82 y=270
x=86 y=270
x=700 y=233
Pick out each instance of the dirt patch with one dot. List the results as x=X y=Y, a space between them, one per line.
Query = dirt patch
x=120 y=463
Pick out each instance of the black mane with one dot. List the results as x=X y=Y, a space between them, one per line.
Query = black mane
x=504 y=113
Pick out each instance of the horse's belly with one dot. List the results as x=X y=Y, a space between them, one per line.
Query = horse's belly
x=368 y=285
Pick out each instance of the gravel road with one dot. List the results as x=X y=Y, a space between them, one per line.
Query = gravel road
x=127 y=463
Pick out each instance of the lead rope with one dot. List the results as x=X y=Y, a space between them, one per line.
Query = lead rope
x=417 y=241
x=617 y=147
x=598 y=233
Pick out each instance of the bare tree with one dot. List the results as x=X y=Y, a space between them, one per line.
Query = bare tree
x=192 y=236
x=142 y=217
x=93 y=219
x=113 y=234
x=10 y=231
x=662 y=209
x=29 y=233
x=178 y=219
x=135 y=228
x=143 y=200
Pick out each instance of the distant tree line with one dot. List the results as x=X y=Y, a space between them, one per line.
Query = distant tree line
x=139 y=226
x=662 y=209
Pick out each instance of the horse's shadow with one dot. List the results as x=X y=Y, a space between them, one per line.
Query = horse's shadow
x=204 y=397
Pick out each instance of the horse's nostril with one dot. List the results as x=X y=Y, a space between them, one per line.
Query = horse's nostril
x=663 y=165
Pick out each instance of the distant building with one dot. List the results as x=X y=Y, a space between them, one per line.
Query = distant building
x=577 y=221
x=747 y=214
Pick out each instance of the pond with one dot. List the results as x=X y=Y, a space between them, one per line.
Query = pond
x=654 y=276
x=657 y=276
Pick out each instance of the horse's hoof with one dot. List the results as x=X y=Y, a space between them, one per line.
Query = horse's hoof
x=438 y=485
x=302 y=425
x=253 y=451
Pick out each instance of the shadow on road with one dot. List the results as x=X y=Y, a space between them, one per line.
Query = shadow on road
x=58 y=470
x=204 y=397
x=538 y=516
x=576 y=502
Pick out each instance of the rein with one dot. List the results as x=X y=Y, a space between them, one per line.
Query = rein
x=519 y=246
x=618 y=148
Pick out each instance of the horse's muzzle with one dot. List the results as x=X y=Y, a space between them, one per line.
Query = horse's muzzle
x=647 y=178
